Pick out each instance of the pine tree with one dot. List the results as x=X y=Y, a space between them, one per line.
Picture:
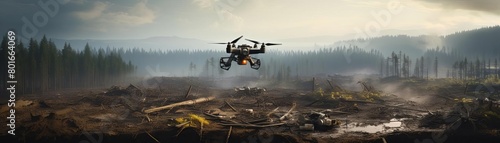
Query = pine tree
x=44 y=63
x=436 y=67
x=496 y=68
x=422 y=67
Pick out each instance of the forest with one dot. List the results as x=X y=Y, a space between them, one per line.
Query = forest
x=275 y=63
x=439 y=63
x=41 y=66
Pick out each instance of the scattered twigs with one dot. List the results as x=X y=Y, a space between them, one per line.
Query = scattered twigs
x=230 y=106
x=188 y=102
x=229 y=133
x=289 y=111
x=152 y=137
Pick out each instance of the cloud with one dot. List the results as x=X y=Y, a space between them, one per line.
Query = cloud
x=106 y=15
x=137 y=15
x=93 y=13
x=489 y=6
x=203 y=3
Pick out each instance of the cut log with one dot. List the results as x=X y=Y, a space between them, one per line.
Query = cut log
x=188 y=102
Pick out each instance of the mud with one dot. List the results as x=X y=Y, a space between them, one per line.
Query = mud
x=416 y=111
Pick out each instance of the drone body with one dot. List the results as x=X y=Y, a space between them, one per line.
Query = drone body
x=241 y=53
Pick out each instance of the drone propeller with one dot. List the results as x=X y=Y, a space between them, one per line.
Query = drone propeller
x=253 y=41
x=232 y=42
x=257 y=42
x=272 y=44
x=220 y=43
x=236 y=40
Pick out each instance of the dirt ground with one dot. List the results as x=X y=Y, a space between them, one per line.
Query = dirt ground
x=385 y=110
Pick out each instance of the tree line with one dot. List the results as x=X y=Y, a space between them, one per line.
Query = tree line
x=41 y=66
x=440 y=62
x=275 y=63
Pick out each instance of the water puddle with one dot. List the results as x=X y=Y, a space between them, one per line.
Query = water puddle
x=392 y=125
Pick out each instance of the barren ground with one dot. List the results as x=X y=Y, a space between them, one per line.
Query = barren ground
x=404 y=111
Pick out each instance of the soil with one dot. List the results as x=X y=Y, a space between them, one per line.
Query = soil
x=395 y=110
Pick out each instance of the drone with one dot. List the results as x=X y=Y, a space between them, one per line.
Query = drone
x=241 y=53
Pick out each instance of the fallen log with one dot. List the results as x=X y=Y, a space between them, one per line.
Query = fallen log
x=188 y=102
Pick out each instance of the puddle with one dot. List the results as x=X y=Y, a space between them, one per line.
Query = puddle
x=392 y=125
x=385 y=127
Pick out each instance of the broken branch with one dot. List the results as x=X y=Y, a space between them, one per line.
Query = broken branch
x=229 y=133
x=269 y=114
x=213 y=116
x=152 y=137
x=188 y=102
x=289 y=111
x=312 y=102
x=189 y=90
x=230 y=106
x=252 y=125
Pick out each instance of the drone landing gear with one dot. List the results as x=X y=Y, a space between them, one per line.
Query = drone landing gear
x=225 y=63
x=255 y=63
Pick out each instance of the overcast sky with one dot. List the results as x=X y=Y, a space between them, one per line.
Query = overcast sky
x=214 y=20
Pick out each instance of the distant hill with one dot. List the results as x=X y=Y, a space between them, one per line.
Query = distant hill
x=478 y=42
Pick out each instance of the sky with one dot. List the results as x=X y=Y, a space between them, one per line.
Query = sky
x=216 y=20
